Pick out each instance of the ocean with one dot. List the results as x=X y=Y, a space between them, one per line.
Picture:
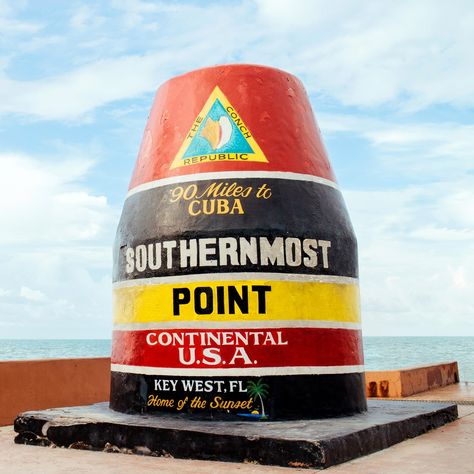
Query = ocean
x=381 y=353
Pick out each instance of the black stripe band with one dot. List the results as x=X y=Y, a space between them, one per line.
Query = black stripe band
x=303 y=216
x=283 y=397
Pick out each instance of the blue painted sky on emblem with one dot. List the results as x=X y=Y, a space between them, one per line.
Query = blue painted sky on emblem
x=200 y=146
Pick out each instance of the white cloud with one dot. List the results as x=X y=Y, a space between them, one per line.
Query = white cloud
x=362 y=53
x=56 y=256
x=433 y=140
x=368 y=53
x=42 y=202
x=113 y=77
x=32 y=295
x=85 y=16
x=412 y=149
x=416 y=235
x=9 y=26
x=293 y=16
x=73 y=94
x=71 y=296
x=136 y=13
x=417 y=274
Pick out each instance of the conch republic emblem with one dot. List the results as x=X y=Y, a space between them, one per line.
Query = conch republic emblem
x=218 y=134
x=235 y=274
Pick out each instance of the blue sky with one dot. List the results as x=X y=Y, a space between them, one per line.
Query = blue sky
x=392 y=87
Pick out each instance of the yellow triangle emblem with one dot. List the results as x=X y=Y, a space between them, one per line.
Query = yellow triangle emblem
x=218 y=134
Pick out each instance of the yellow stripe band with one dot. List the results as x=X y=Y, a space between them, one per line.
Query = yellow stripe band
x=244 y=300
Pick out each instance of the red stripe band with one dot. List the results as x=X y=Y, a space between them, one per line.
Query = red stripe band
x=242 y=348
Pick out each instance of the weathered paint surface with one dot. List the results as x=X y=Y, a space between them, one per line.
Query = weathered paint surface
x=38 y=384
x=409 y=381
x=272 y=103
x=235 y=262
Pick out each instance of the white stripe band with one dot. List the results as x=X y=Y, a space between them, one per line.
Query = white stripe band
x=199 y=325
x=256 y=371
x=238 y=276
x=231 y=175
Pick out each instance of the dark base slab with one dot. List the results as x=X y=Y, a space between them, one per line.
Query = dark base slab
x=297 y=443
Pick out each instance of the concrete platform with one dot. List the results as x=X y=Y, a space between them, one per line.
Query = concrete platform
x=300 y=443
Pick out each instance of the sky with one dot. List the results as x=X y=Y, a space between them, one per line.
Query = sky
x=392 y=87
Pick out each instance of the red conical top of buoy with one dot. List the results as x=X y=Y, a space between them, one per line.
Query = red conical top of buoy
x=272 y=104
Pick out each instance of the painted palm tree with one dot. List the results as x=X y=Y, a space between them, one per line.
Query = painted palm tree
x=258 y=389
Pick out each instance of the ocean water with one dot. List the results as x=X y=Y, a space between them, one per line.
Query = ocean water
x=20 y=349
x=381 y=353
x=385 y=353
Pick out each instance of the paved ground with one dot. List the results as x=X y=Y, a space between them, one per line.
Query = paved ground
x=461 y=393
x=448 y=449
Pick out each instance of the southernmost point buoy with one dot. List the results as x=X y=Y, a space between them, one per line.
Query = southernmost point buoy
x=235 y=292
x=235 y=264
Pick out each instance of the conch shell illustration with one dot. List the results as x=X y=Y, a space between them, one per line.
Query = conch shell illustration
x=217 y=132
